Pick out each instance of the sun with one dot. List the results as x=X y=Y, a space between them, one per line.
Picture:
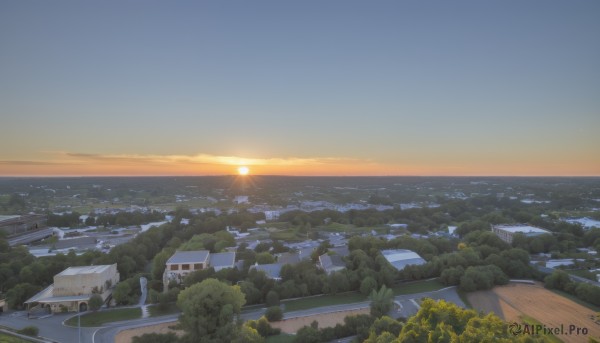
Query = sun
x=243 y=170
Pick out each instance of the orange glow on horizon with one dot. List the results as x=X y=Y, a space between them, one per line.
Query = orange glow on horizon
x=66 y=164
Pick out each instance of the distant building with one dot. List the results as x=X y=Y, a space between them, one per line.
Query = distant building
x=73 y=287
x=288 y=258
x=272 y=215
x=400 y=258
x=331 y=263
x=241 y=199
x=17 y=224
x=507 y=232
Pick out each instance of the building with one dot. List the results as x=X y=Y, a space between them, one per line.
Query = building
x=507 y=232
x=331 y=263
x=400 y=258
x=17 y=224
x=73 y=287
x=183 y=263
x=222 y=260
x=288 y=258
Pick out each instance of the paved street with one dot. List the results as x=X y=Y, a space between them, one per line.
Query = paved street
x=52 y=327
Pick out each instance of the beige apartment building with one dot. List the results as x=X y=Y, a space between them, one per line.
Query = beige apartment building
x=73 y=287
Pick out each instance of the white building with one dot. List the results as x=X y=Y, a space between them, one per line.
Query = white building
x=73 y=287
x=400 y=258
x=506 y=232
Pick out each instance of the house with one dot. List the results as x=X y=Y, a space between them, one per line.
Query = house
x=331 y=263
x=288 y=258
x=222 y=260
x=272 y=271
x=400 y=258
x=73 y=287
x=182 y=263
x=342 y=251
x=507 y=232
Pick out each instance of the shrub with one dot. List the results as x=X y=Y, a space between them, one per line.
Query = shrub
x=29 y=331
x=274 y=314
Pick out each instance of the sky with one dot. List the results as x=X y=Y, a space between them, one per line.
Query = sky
x=300 y=88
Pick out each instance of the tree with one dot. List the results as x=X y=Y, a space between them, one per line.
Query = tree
x=274 y=314
x=368 y=285
x=209 y=309
x=272 y=298
x=443 y=321
x=381 y=301
x=121 y=293
x=95 y=302
x=159 y=263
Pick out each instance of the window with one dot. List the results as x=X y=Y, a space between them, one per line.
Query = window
x=197 y=266
x=185 y=267
x=174 y=267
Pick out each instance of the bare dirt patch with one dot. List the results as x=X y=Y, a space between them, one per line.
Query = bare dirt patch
x=325 y=320
x=126 y=336
x=512 y=301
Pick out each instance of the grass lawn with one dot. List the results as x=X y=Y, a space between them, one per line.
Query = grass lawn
x=102 y=317
x=286 y=235
x=354 y=297
x=6 y=338
x=417 y=287
x=577 y=300
x=323 y=300
x=156 y=311
x=547 y=337
x=282 y=338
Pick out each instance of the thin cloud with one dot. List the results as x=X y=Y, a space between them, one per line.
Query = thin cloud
x=34 y=163
x=206 y=159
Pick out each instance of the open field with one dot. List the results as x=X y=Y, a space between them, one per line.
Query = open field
x=523 y=303
x=324 y=320
x=126 y=336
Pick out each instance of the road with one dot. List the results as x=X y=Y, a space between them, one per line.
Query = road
x=52 y=328
x=30 y=237
x=575 y=278
x=107 y=333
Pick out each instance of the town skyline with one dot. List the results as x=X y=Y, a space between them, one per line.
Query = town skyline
x=301 y=89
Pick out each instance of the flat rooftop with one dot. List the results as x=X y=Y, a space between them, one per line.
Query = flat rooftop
x=5 y=217
x=399 y=255
x=189 y=257
x=85 y=270
x=521 y=228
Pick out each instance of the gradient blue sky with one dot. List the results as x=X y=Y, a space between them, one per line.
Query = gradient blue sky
x=300 y=88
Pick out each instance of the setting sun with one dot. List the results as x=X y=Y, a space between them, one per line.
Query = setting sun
x=243 y=170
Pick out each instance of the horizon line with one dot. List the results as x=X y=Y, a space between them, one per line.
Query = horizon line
x=278 y=175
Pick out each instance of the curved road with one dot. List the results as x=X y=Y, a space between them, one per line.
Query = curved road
x=53 y=329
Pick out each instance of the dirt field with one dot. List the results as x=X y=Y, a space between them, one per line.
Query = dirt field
x=125 y=336
x=324 y=320
x=513 y=300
